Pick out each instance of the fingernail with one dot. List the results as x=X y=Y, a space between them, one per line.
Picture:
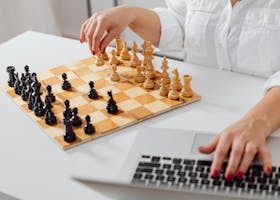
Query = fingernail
x=269 y=170
x=81 y=40
x=215 y=174
x=93 y=52
x=229 y=176
x=239 y=175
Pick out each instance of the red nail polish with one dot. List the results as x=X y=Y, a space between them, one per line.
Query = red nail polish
x=239 y=175
x=93 y=52
x=80 y=40
x=229 y=176
x=269 y=170
x=215 y=174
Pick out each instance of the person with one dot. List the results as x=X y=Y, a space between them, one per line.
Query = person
x=241 y=36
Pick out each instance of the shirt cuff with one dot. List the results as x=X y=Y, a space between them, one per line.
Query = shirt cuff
x=273 y=81
x=171 y=39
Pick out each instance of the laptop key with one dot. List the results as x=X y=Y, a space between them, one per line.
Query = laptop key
x=189 y=162
x=199 y=169
x=204 y=163
x=144 y=170
x=217 y=182
x=240 y=184
x=166 y=166
x=193 y=181
x=159 y=171
x=178 y=167
x=188 y=168
x=192 y=174
x=137 y=176
x=261 y=180
x=171 y=178
x=182 y=180
x=228 y=183
x=148 y=164
x=275 y=188
x=149 y=177
x=264 y=187
x=250 y=179
x=170 y=172
x=180 y=173
x=204 y=175
x=177 y=161
x=160 y=178
x=155 y=159
x=205 y=182
x=252 y=186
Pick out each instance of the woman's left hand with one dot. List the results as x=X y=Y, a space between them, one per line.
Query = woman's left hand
x=241 y=141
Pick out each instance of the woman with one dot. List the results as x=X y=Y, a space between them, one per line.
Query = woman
x=242 y=36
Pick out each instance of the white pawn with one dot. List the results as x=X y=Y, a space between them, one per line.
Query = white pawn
x=139 y=77
x=115 y=77
x=99 y=60
x=148 y=83
x=163 y=90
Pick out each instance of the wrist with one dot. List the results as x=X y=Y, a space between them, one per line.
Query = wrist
x=130 y=13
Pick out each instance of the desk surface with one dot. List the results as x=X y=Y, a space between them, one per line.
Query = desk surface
x=33 y=167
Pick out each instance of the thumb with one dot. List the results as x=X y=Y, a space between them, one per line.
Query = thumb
x=211 y=146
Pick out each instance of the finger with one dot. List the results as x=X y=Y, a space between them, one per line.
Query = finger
x=107 y=39
x=211 y=146
x=89 y=34
x=248 y=156
x=265 y=156
x=235 y=158
x=221 y=152
x=82 y=32
x=98 y=34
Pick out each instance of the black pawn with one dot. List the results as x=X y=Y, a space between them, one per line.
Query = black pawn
x=26 y=90
x=112 y=107
x=50 y=117
x=17 y=85
x=50 y=95
x=27 y=73
x=76 y=120
x=66 y=85
x=38 y=106
x=69 y=135
x=89 y=128
x=23 y=83
x=67 y=111
x=12 y=79
x=92 y=93
x=30 y=99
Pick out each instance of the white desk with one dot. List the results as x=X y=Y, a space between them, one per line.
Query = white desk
x=32 y=166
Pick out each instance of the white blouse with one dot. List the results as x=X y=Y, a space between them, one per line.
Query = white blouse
x=244 y=38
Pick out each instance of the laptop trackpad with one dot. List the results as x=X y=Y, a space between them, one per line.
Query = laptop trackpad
x=200 y=139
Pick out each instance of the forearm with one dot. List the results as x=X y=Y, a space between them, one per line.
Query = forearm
x=145 y=23
x=267 y=111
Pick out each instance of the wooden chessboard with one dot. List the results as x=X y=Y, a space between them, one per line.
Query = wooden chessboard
x=135 y=103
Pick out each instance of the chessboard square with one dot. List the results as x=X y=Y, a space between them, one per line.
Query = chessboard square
x=81 y=134
x=171 y=102
x=68 y=95
x=99 y=105
x=129 y=104
x=59 y=70
x=125 y=85
x=78 y=101
x=123 y=119
x=18 y=100
x=12 y=93
x=95 y=68
x=82 y=71
x=155 y=94
x=86 y=109
x=57 y=89
x=120 y=97
x=157 y=106
x=105 y=126
x=140 y=112
x=145 y=99
x=84 y=89
x=105 y=73
x=52 y=81
x=91 y=77
x=70 y=76
x=97 y=116
x=104 y=90
x=88 y=61
x=5 y=87
x=45 y=75
x=77 y=82
x=122 y=69
x=135 y=91
x=57 y=108
x=25 y=108
x=54 y=130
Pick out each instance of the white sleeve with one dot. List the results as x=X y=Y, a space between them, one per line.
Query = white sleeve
x=273 y=81
x=172 y=20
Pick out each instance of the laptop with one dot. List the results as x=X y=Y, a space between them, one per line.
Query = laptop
x=165 y=164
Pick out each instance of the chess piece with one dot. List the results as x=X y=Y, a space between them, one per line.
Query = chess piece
x=89 y=128
x=176 y=83
x=22 y=83
x=149 y=50
x=76 y=120
x=50 y=118
x=12 y=79
x=25 y=89
x=112 y=107
x=67 y=113
x=99 y=60
x=148 y=83
x=17 y=85
x=50 y=95
x=118 y=46
x=187 y=91
x=27 y=71
x=92 y=93
x=66 y=85
x=139 y=77
x=163 y=90
x=134 y=60
x=38 y=106
x=69 y=135
x=105 y=56
x=115 y=76
x=114 y=60
x=35 y=81
x=164 y=75
x=173 y=94
x=30 y=99
x=124 y=53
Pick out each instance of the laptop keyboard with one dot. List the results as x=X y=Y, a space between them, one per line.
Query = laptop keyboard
x=178 y=173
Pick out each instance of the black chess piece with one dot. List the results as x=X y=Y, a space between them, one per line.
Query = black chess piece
x=22 y=82
x=50 y=94
x=27 y=71
x=67 y=111
x=30 y=99
x=38 y=106
x=50 y=117
x=17 y=85
x=89 y=128
x=12 y=79
x=69 y=135
x=35 y=81
x=112 y=107
x=76 y=120
x=26 y=89
x=92 y=93
x=66 y=85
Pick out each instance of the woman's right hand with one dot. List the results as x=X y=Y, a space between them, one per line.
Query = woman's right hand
x=102 y=27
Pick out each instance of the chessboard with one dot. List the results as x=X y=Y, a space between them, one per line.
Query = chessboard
x=135 y=103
